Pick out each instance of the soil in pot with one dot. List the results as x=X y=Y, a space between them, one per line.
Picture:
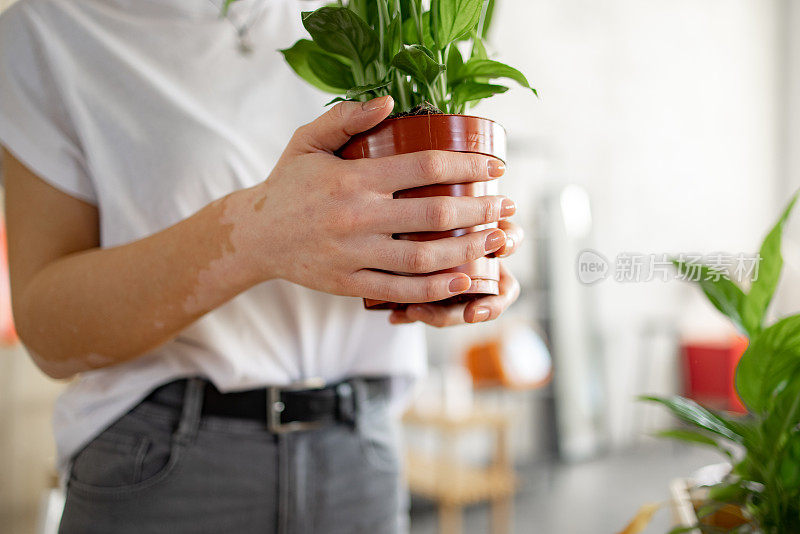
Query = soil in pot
x=427 y=130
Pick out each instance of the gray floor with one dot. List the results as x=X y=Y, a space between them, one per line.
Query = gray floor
x=596 y=497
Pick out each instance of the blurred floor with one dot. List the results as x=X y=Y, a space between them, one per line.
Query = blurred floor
x=597 y=497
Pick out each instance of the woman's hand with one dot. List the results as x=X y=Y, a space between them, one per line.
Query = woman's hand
x=327 y=224
x=483 y=309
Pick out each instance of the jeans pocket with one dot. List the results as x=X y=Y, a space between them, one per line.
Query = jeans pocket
x=112 y=459
x=123 y=459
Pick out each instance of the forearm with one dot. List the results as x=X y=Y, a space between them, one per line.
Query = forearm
x=101 y=307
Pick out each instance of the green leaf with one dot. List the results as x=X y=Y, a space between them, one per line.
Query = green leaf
x=340 y=31
x=297 y=58
x=772 y=357
x=393 y=40
x=728 y=492
x=691 y=436
x=746 y=427
x=789 y=470
x=454 y=61
x=697 y=438
x=330 y=70
x=338 y=99
x=410 y=31
x=453 y=18
x=478 y=48
x=359 y=7
x=689 y=411
x=417 y=61
x=354 y=92
x=682 y=530
x=469 y=91
x=725 y=295
x=769 y=271
x=487 y=21
x=488 y=68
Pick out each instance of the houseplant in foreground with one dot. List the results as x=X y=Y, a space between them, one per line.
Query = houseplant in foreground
x=435 y=65
x=763 y=447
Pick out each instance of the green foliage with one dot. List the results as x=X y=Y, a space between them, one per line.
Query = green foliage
x=470 y=91
x=764 y=445
x=769 y=271
x=395 y=47
x=340 y=31
x=772 y=357
x=418 y=62
x=489 y=69
x=330 y=70
x=453 y=19
x=297 y=56
x=726 y=296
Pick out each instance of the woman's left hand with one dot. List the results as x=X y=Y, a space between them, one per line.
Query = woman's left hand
x=476 y=311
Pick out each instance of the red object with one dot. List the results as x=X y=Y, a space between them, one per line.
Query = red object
x=458 y=133
x=710 y=372
x=8 y=335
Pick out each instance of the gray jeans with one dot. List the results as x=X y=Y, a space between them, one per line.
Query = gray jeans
x=162 y=468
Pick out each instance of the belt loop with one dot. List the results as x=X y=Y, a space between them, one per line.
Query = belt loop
x=347 y=402
x=191 y=411
x=360 y=398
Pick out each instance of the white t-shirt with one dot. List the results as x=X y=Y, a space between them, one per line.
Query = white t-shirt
x=149 y=110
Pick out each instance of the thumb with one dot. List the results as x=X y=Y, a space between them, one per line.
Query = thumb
x=337 y=125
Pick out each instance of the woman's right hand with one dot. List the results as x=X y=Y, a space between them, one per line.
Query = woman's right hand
x=327 y=224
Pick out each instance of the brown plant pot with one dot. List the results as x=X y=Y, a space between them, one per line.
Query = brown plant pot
x=687 y=498
x=458 y=133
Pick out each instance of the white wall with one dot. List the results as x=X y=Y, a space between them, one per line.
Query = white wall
x=788 y=297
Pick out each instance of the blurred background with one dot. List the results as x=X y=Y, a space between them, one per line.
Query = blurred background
x=663 y=127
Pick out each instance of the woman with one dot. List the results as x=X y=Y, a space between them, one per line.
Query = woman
x=194 y=264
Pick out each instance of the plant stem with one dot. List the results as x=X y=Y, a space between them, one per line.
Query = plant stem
x=400 y=84
x=382 y=24
x=443 y=76
x=434 y=15
x=416 y=12
x=482 y=19
x=383 y=21
x=358 y=72
x=437 y=100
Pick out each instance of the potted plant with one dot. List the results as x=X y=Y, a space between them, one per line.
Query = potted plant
x=435 y=66
x=761 y=491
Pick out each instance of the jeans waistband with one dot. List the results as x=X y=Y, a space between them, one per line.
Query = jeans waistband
x=281 y=409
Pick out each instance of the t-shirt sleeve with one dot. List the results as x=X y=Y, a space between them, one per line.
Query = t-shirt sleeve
x=35 y=123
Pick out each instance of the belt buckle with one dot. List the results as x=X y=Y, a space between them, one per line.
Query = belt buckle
x=275 y=407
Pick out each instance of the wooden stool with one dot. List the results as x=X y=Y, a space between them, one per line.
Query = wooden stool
x=454 y=484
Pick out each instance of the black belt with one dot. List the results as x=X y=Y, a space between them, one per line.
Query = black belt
x=291 y=408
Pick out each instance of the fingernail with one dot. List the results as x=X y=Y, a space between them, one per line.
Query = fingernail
x=495 y=240
x=496 y=168
x=460 y=284
x=507 y=208
x=376 y=103
x=480 y=314
x=507 y=248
